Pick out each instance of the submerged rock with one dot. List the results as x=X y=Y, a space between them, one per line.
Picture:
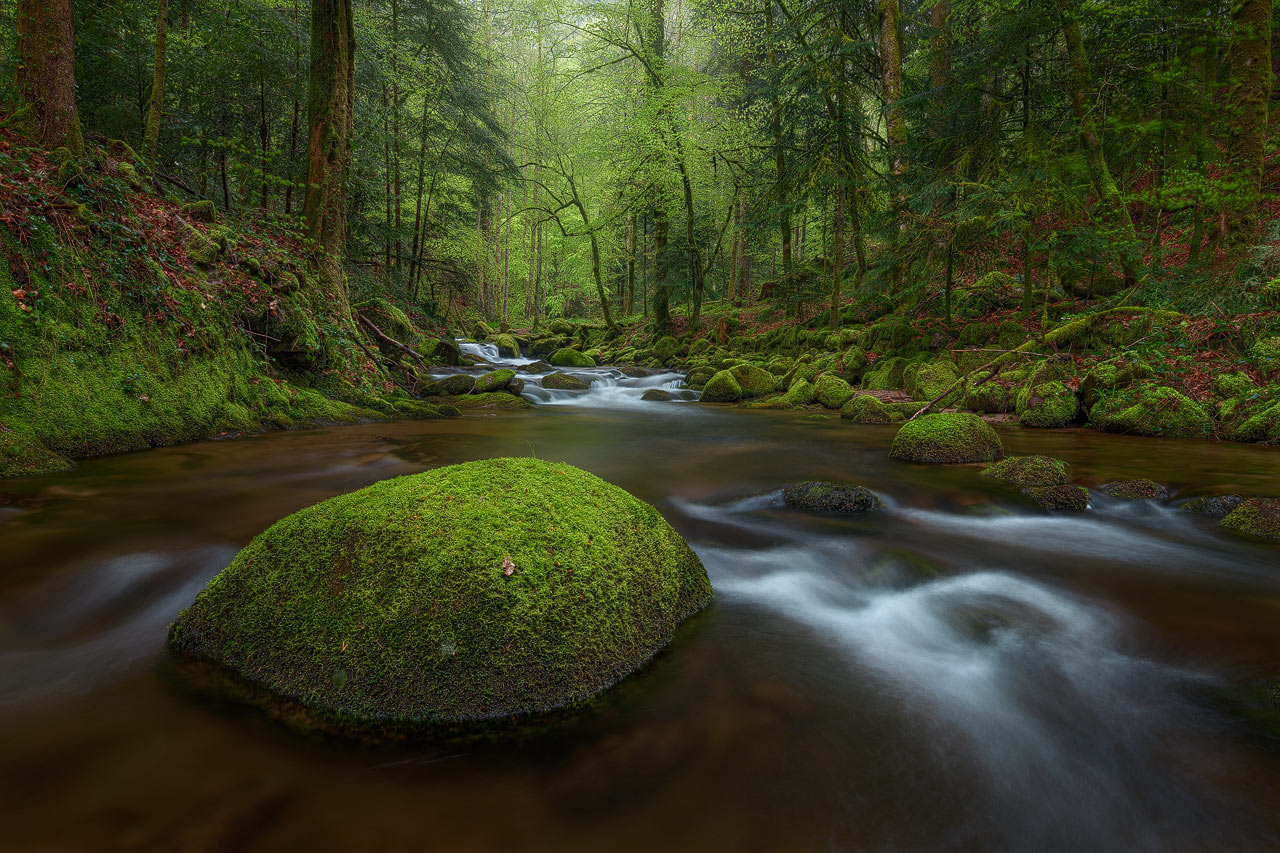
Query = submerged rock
x=1258 y=518
x=1135 y=490
x=535 y=367
x=947 y=438
x=1217 y=506
x=815 y=496
x=1030 y=471
x=565 y=382
x=470 y=593
x=1064 y=497
x=657 y=395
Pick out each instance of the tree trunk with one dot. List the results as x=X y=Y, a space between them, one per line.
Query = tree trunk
x=837 y=259
x=47 y=72
x=1249 y=57
x=151 y=141
x=629 y=306
x=330 y=103
x=1083 y=100
x=779 y=154
x=891 y=76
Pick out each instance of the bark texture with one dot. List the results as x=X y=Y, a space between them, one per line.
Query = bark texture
x=46 y=73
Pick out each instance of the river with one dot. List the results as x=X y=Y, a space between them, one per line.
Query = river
x=958 y=671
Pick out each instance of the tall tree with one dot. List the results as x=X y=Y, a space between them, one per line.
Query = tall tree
x=330 y=110
x=151 y=140
x=1249 y=57
x=47 y=72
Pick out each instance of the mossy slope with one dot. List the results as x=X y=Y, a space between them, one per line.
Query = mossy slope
x=391 y=608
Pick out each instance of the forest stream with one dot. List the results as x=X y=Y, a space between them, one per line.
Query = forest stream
x=959 y=670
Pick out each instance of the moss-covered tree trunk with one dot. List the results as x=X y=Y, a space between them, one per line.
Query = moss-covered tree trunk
x=1088 y=116
x=151 y=141
x=658 y=210
x=47 y=73
x=895 y=113
x=1249 y=57
x=330 y=101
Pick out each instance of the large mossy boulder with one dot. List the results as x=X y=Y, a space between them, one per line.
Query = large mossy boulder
x=568 y=357
x=1049 y=405
x=458 y=383
x=754 y=381
x=832 y=391
x=722 y=388
x=865 y=409
x=1258 y=518
x=947 y=438
x=468 y=594
x=931 y=379
x=565 y=382
x=1029 y=471
x=800 y=393
x=1151 y=410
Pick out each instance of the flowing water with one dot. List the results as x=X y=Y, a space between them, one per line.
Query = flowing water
x=958 y=671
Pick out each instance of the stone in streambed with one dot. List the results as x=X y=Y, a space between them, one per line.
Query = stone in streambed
x=1063 y=497
x=464 y=595
x=567 y=357
x=816 y=496
x=1258 y=518
x=457 y=384
x=947 y=438
x=494 y=381
x=1216 y=506
x=657 y=395
x=1030 y=471
x=1135 y=490
x=565 y=382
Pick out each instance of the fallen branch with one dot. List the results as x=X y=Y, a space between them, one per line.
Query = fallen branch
x=387 y=339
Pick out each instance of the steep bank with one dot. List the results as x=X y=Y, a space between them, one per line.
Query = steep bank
x=130 y=320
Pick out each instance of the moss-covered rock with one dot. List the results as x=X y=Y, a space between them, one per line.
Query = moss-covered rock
x=699 y=376
x=1258 y=518
x=491 y=400
x=1215 y=506
x=776 y=402
x=722 y=388
x=565 y=382
x=1112 y=375
x=832 y=391
x=884 y=374
x=494 y=381
x=199 y=248
x=201 y=211
x=990 y=397
x=508 y=346
x=666 y=348
x=864 y=409
x=470 y=593
x=813 y=496
x=1135 y=490
x=754 y=381
x=1265 y=353
x=1063 y=497
x=458 y=383
x=1151 y=410
x=1027 y=471
x=1049 y=405
x=1228 y=385
x=947 y=438
x=657 y=395
x=568 y=357
x=931 y=379
x=1010 y=335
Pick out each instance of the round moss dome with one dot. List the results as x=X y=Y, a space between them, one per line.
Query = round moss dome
x=947 y=438
x=460 y=595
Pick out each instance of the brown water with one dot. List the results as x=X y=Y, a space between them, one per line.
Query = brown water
x=957 y=672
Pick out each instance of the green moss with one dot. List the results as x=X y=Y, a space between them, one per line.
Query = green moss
x=754 y=381
x=1258 y=518
x=1030 y=471
x=1010 y=335
x=22 y=455
x=494 y=381
x=947 y=438
x=665 y=349
x=1064 y=497
x=722 y=388
x=884 y=374
x=864 y=409
x=841 y=498
x=1135 y=490
x=199 y=248
x=470 y=593
x=801 y=393
x=931 y=379
x=458 y=383
x=1265 y=353
x=1229 y=385
x=990 y=397
x=1049 y=405
x=567 y=357
x=565 y=382
x=391 y=321
x=657 y=395
x=201 y=211
x=492 y=400
x=774 y=402
x=1151 y=410
x=976 y=334
x=508 y=346
x=832 y=391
